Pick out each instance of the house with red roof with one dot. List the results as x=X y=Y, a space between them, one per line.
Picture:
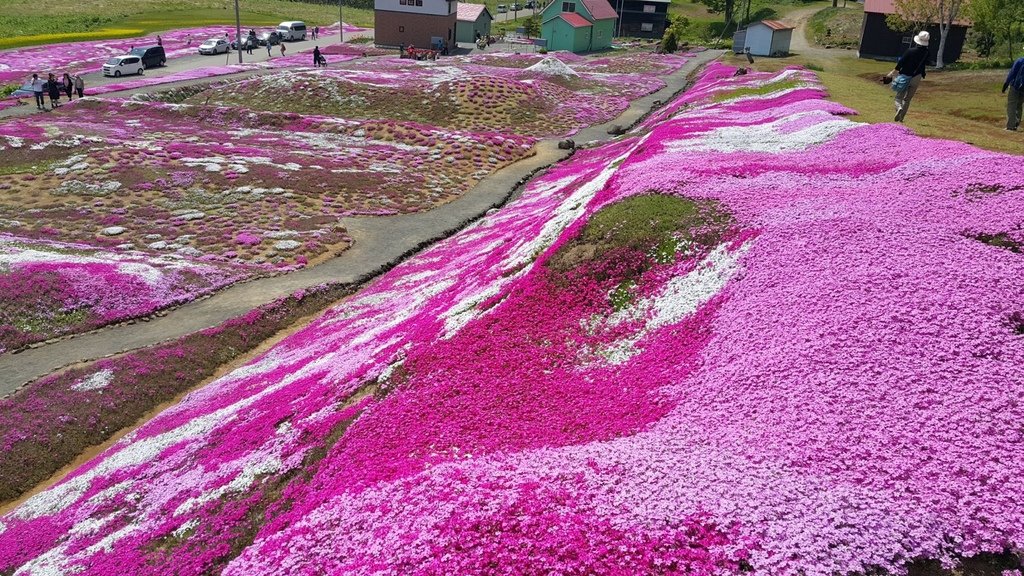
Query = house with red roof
x=578 y=25
x=879 y=41
x=472 y=19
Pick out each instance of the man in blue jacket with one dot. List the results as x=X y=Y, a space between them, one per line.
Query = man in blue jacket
x=912 y=64
x=1015 y=96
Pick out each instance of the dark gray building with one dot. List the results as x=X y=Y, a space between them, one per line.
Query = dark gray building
x=641 y=18
x=880 y=42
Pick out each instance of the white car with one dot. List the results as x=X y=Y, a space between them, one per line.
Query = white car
x=292 y=31
x=123 y=65
x=214 y=46
x=502 y=9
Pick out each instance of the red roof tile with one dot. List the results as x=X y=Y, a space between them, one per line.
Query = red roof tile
x=600 y=9
x=469 y=12
x=574 y=19
x=880 y=6
x=776 y=25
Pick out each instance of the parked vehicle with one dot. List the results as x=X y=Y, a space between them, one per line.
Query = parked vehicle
x=123 y=66
x=214 y=46
x=502 y=9
x=291 y=31
x=151 y=56
x=530 y=4
x=272 y=38
x=247 y=42
x=516 y=7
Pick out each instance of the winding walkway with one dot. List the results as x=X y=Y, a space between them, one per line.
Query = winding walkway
x=378 y=244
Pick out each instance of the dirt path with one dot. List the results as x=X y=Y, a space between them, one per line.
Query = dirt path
x=379 y=243
x=799 y=46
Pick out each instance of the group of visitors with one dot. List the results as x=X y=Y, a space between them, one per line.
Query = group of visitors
x=54 y=87
x=910 y=69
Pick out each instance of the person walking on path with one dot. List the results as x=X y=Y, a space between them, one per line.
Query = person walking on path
x=68 y=85
x=316 y=32
x=53 y=88
x=282 y=49
x=911 y=64
x=39 y=89
x=316 y=57
x=269 y=46
x=159 y=40
x=1014 y=90
x=79 y=86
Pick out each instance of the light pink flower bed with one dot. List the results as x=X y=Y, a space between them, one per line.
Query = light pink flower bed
x=54 y=288
x=830 y=386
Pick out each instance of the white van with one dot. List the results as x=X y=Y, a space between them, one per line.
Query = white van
x=122 y=66
x=292 y=30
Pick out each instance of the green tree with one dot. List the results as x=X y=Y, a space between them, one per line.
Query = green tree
x=918 y=14
x=999 y=21
x=532 y=26
x=721 y=7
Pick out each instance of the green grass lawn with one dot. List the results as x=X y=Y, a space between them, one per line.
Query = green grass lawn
x=837 y=27
x=22 y=23
x=960 y=105
x=706 y=27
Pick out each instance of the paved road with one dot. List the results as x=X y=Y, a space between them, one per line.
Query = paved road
x=196 y=61
x=379 y=243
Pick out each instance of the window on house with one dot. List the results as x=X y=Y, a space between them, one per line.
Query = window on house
x=647 y=27
x=402 y=2
x=401 y=29
x=568 y=6
x=649 y=8
x=600 y=33
x=419 y=2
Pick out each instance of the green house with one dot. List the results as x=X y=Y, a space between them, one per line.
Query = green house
x=578 y=25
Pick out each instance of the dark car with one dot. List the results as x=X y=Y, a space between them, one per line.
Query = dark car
x=151 y=55
x=272 y=38
x=247 y=42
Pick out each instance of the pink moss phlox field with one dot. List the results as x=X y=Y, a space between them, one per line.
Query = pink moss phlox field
x=833 y=388
x=17 y=64
x=54 y=288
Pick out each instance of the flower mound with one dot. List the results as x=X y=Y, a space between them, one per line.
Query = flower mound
x=53 y=288
x=743 y=337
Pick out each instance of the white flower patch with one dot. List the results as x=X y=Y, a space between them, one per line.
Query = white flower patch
x=766 y=138
x=96 y=381
x=244 y=479
x=14 y=141
x=678 y=298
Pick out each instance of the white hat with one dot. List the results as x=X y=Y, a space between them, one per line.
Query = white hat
x=922 y=38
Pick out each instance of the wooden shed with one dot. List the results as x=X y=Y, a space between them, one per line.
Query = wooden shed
x=472 y=19
x=764 y=38
x=879 y=41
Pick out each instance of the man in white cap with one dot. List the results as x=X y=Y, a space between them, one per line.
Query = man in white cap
x=911 y=64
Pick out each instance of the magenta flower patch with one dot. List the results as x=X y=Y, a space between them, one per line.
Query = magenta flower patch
x=827 y=384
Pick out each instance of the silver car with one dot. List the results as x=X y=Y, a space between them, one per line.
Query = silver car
x=214 y=46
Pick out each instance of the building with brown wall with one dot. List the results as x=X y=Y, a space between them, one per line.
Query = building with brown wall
x=416 y=22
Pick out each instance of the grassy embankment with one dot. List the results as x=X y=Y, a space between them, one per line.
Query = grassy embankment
x=705 y=27
x=23 y=24
x=837 y=27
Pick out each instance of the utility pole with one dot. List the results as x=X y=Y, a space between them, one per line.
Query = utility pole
x=238 y=33
x=341 y=27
